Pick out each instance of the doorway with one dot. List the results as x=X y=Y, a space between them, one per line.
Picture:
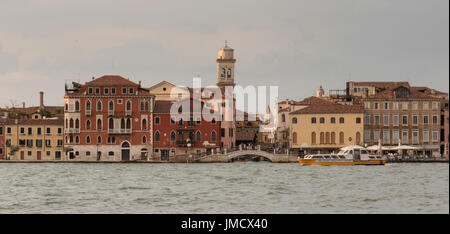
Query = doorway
x=125 y=151
x=38 y=155
x=165 y=155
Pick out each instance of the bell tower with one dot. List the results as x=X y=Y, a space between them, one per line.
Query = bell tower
x=225 y=66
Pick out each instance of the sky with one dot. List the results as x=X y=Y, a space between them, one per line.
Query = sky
x=297 y=45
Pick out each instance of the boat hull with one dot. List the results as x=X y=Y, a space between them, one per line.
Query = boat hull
x=312 y=162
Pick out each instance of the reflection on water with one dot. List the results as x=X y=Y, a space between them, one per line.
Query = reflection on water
x=223 y=188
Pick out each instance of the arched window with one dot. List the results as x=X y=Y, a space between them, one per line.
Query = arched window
x=67 y=123
x=111 y=123
x=111 y=105
x=313 y=138
x=358 y=138
x=128 y=105
x=198 y=137
x=128 y=124
x=77 y=123
x=99 y=105
x=213 y=136
x=157 y=136
x=125 y=145
x=294 y=120
x=99 y=140
x=71 y=123
x=341 y=120
x=71 y=139
x=88 y=105
x=327 y=138
x=213 y=121
x=88 y=124
x=313 y=120
x=66 y=107
x=77 y=140
x=333 y=138
x=122 y=124
x=283 y=118
x=88 y=140
x=294 y=137
x=77 y=106
x=144 y=124
x=322 y=137
x=173 y=137
x=144 y=139
x=99 y=124
x=341 y=138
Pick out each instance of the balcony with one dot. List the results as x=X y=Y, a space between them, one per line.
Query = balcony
x=119 y=131
x=111 y=112
x=185 y=143
x=72 y=130
x=128 y=112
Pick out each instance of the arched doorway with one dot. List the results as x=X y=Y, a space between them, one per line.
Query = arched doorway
x=125 y=151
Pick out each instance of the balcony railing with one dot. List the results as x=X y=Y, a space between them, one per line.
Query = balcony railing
x=72 y=130
x=119 y=131
x=88 y=112
x=185 y=143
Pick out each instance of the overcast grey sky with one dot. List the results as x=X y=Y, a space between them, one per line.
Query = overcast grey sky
x=297 y=45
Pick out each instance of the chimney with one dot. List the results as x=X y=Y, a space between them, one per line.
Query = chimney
x=23 y=104
x=41 y=100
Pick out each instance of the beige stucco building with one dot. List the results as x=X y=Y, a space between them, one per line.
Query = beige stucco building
x=325 y=127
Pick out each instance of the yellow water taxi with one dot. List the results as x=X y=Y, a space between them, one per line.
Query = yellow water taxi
x=347 y=156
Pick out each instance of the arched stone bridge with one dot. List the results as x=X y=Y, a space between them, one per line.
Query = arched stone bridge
x=229 y=156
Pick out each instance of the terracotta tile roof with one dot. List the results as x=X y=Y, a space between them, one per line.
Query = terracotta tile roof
x=315 y=101
x=34 y=109
x=329 y=108
x=390 y=93
x=111 y=80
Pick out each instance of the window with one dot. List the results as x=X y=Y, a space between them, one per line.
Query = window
x=405 y=106
x=367 y=119
x=395 y=136
x=230 y=132
x=367 y=135
x=415 y=120
x=222 y=132
x=375 y=105
x=313 y=120
x=144 y=124
x=395 y=120
x=213 y=136
x=376 y=119
x=415 y=136
x=106 y=91
x=88 y=124
x=198 y=136
x=435 y=105
x=99 y=105
x=313 y=138
x=222 y=73
x=322 y=120
x=49 y=131
x=172 y=137
x=415 y=105
x=425 y=119
x=294 y=137
x=229 y=73
x=376 y=135
x=405 y=137
x=386 y=120
x=88 y=105
x=358 y=120
x=90 y=90
x=39 y=131
x=30 y=131
x=157 y=136
x=435 y=136
x=99 y=124
x=425 y=105
x=426 y=136
x=1 y=130
x=124 y=90
x=113 y=90
x=341 y=120
x=283 y=118
x=367 y=105
x=435 y=120
x=386 y=105
x=111 y=105
x=322 y=138
x=341 y=138
x=213 y=121
x=404 y=120
x=131 y=91
x=294 y=120
x=99 y=140
x=386 y=137
x=157 y=120
x=395 y=105
x=77 y=106
x=88 y=140
x=332 y=120
x=59 y=131
x=144 y=139
x=97 y=91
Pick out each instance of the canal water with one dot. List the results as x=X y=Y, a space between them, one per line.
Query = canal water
x=223 y=188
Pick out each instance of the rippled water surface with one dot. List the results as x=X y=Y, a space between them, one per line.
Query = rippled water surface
x=223 y=188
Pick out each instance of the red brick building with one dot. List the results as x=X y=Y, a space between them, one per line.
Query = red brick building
x=108 y=118
x=2 y=140
x=191 y=135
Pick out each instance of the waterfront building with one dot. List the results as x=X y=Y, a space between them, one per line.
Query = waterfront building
x=108 y=118
x=247 y=130
x=322 y=126
x=163 y=90
x=176 y=138
x=33 y=139
x=2 y=139
x=398 y=113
